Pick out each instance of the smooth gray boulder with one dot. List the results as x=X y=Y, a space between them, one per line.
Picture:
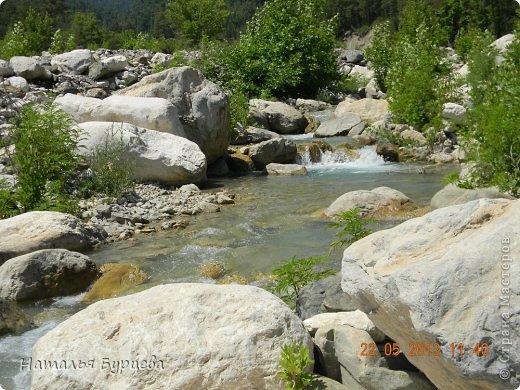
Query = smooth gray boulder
x=254 y=135
x=455 y=113
x=46 y=273
x=151 y=113
x=275 y=169
x=37 y=230
x=200 y=336
x=154 y=155
x=202 y=107
x=280 y=117
x=5 y=69
x=447 y=277
x=107 y=66
x=378 y=200
x=340 y=126
x=29 y=68
x=276 y=150
x=452 y=195
x=15 y=85
x=75 y=61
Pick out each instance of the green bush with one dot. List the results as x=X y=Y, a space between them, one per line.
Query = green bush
x=61 y=42
x=492 y=139
x=45 y=160
x=295 y=274
x=8 y=207
x=379 y=54
x=352 y=227
x=295 y=363
x=111 y=171
x=286 y=50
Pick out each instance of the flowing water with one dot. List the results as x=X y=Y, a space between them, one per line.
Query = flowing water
x=273 y=219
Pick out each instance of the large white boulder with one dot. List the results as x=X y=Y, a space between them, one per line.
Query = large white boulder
x=155 y=156
x=107 y=66
x=192 y=336
x=450 y=276
x=279 y=117
x=452 y=195
x=75 y=61
x=454 y=112
x=46 y=273
x=202 y=107
x=36 y=230
x=340 y=126
x=151 y=113
x=369 y=110
x=276 y=150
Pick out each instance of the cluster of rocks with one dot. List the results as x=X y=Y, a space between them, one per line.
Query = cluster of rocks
x=151 y=207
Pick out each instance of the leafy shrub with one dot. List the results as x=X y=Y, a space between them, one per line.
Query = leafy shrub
x=380 y=53
x=8 y=207
x=352 y=228
x=350 y=83
x=295 y=274
x=111 y=171
x=492 y=139
x=62 y=42
x=212 y=269
x=45 y=160
x=294 y=363
x=286 y=50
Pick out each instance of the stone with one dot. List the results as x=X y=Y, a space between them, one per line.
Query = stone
x=436 y=279
x=5 y=69
x=194 y=336
x=46 y=273
x=12 y=318
x=380 y=200
x=322 y=296
x=202 y=107
x=150 y=113
x=441 y=158
x=219 y=168
x=316 y=118
x=387 y=150
x=414 y=136
x=107 y=66
x=155 y=156
x=340 y=126
x=115 y=280
x=502 y=43
x=455 y=113
x=276 y=150
x=281 y=117
x=275 y=169
x=325 y=383
x=29 y=68
x=75 y=61
x=37 y=230
x=351 y=56
x=307 y=105
x=356 y=319
x=452 y=195
x=16 y=85
x=254 y=135
x=361 y=72
x=240 y=163
x=369 y=110
x=161 y=59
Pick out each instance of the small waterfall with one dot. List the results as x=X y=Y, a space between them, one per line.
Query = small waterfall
x=362 y=158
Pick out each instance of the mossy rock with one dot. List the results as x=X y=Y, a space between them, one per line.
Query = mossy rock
x=12 y=319
x=116 y=279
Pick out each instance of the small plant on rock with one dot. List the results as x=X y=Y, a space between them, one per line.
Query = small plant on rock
x=212 y=269
x=294 y=363
x=296 y=273
x=352 y=228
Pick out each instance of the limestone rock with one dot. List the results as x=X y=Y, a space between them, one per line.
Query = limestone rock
x=356 y=319
x=202 y=336
x=12 y=319
x=378 y=201
x=387 y=150
x=307 y=105
x=107 y=67
x=254 y=135
x=503 y=42
x=37 y=230
x=275 y=169
x=277 y=150
x=414 y=136
x=240 y=163
x=151 y=113
x=46 y=273
x=155 y=156
x=29 y=68
x=5 y=69
x=454 y=112
x=75 y=61
x=369 y=110
x=452 y=195
x=15 y=85
x=281 y=117
x=340 y=126
x=440 y=278
x=202 y=107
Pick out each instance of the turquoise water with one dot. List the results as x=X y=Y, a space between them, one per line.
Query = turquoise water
x=273 y=220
